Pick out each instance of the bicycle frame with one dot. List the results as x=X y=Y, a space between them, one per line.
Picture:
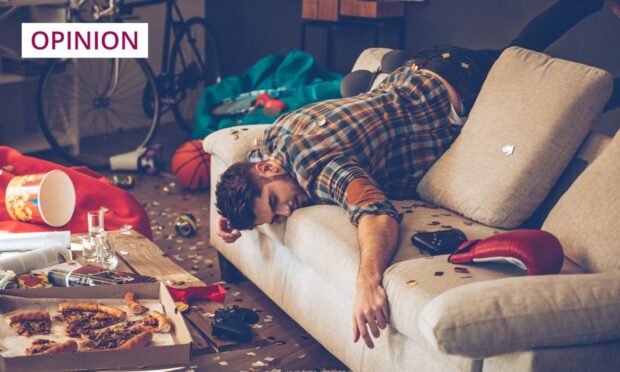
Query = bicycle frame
x=171 y=24
x=172 y=10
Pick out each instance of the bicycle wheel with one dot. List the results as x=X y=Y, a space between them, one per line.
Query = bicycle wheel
x=87 y=116
x=194 y=64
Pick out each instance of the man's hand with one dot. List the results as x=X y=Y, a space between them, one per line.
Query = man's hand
x=378 y=237
x=371 y=310
x=225 y=231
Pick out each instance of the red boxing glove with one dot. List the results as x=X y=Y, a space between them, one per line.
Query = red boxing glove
x=536 y=251
x=213 y=293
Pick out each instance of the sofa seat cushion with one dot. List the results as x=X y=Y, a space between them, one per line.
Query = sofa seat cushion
x=322 y=237
x=527 y=123
x=502 y=316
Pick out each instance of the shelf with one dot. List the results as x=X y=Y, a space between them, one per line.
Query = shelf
x=29 y=143
x=30 y=2
x=13 y=78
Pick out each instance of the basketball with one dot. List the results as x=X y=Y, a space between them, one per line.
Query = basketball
x=191 y=165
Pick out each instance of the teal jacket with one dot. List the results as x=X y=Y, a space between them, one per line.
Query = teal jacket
x=296 y=71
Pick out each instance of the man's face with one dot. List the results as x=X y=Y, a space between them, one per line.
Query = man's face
x=280 y=195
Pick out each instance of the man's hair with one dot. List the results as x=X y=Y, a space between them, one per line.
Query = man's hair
x=235 y=193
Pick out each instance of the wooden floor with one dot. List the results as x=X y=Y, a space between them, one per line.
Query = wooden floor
x=280 y=342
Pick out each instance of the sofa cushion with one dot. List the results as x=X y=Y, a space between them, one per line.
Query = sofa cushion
x=586 y=219
x=501 y=316
x=526 y=125
x=323 y=238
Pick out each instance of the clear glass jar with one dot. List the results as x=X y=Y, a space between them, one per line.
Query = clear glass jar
x=106 y=254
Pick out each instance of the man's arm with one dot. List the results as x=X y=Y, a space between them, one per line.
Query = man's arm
x=378 y=238
x=349 y=185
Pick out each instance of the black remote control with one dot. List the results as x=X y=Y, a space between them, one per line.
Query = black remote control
x=439 y=242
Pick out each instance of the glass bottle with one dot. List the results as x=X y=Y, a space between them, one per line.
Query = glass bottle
x=96 y=228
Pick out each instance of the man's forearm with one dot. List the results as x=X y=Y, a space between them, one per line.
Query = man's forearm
x=378 y=238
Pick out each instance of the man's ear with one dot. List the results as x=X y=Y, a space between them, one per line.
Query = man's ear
x=269 y=168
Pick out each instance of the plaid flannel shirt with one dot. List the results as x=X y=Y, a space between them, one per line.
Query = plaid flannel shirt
x=361 y=151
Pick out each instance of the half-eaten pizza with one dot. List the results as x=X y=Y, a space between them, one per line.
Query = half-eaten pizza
x=83 y=317
x=127 y=335
x=33 y=322
x=42 y=346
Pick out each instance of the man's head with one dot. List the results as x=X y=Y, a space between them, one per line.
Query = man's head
x=250 y=194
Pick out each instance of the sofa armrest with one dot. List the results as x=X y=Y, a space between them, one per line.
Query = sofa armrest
x=495 y=317
x=233 y=144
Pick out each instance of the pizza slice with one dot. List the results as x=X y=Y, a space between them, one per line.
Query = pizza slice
x=27 y=323
x=132 y=304
x=42 y=346
x=83 y=317
x=156 y=321
x=123 y=336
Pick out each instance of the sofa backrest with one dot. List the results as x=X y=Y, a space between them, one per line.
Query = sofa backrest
x=593 y=145
x=586 y=219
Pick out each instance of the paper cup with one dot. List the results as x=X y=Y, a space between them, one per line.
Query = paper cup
x=47 y=198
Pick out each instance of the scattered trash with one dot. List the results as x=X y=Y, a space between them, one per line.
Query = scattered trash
x=181 y=306
x=185 y=225
x=508 y=149
x=126 y=229
x=250 y=353
x=259 y=364
x=124 y=182
x=223 y=363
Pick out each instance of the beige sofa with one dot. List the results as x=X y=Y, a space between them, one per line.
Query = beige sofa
x=493 y=319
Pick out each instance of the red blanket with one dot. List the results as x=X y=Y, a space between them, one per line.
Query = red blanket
x=92 y=192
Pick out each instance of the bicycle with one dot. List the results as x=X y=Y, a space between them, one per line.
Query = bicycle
x=104 y=113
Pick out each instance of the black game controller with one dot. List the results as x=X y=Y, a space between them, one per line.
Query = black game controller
x=231 y=323
x=439 y=242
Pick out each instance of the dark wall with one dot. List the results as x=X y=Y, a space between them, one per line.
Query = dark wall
x=251 y=29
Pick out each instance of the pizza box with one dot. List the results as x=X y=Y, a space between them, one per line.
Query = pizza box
x=177 y=353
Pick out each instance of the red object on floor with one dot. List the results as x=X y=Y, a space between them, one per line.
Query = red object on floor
x=213 y=293
x=92 y=191
x=539 y=252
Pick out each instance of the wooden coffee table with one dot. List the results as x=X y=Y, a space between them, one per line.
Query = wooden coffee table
x=140 y=255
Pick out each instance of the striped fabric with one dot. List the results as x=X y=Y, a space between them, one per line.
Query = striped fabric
x=361 y=151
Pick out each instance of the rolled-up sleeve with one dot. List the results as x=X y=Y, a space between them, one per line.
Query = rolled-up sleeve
x=346 y=183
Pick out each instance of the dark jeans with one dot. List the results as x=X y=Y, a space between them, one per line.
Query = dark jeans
x=537 y=35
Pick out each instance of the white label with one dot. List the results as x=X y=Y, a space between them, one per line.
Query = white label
x=85 y=40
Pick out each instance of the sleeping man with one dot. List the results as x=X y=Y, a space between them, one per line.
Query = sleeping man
x=361 y=151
